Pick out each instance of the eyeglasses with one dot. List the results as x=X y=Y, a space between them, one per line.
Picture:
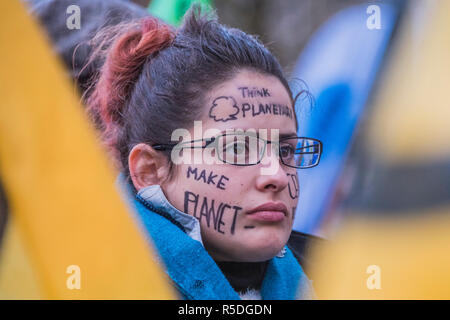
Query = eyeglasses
x=247 y=149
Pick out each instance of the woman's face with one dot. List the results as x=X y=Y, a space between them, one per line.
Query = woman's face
x=225 y=197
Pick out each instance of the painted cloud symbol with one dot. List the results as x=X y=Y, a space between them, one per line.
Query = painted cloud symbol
x=224 y=109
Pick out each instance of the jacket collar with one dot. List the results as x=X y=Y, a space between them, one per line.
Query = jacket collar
x=154 y=196
x=187 y=263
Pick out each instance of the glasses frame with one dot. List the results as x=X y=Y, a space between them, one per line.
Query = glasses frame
x=210 y=141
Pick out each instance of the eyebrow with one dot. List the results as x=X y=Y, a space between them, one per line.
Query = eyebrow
x=288 y=135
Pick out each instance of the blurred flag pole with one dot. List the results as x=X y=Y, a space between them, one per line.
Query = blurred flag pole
x=339 y=65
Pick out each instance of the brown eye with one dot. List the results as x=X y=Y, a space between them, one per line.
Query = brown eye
x=287 y=151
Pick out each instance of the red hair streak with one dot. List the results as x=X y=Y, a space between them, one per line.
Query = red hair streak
x=121 y=70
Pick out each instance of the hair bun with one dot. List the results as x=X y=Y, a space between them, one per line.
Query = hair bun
x=123 y=64
x=155 y=36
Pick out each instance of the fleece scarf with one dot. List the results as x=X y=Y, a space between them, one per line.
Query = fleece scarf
x=195 y=274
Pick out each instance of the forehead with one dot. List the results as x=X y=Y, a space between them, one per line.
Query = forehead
x=250 y=100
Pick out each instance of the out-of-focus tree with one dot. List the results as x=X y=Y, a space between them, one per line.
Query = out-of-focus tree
x=284 y=25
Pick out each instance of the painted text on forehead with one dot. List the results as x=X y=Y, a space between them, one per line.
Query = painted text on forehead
x=249 y=102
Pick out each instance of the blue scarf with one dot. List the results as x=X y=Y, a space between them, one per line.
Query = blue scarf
x=177 y=240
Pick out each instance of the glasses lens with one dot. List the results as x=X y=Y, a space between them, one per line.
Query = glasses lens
x=300 y=152
x=240 y=149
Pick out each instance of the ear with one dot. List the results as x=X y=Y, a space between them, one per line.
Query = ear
x=147 y=166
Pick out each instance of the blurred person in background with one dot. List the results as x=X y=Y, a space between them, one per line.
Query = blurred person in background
x=73 y=44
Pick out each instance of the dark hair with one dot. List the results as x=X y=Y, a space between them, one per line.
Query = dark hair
x=154 y=78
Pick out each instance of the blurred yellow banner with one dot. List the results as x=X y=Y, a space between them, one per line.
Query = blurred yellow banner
x=69 y=235
x=386 y=259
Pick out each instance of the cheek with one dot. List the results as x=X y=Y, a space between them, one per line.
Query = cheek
x=209 y=194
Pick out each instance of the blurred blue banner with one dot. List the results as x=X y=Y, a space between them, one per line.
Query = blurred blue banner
x=339 y=66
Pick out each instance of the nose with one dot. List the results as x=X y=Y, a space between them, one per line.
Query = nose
x=272 y=175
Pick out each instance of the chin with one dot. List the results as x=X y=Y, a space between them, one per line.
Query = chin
x=259 y=254
x=257 y=245
x=263 y=248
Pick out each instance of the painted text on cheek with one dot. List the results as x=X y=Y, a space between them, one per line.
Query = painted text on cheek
x=209 y=179
x=293 y=186
x=211 y=211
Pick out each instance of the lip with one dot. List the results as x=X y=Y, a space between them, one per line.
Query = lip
x=270 y=212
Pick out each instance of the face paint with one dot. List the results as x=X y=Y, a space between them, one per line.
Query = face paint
x=254 y=92
x=267 y=108
x=210 y=179
x=224 y=109
x=210 y=211
x=293 y=186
